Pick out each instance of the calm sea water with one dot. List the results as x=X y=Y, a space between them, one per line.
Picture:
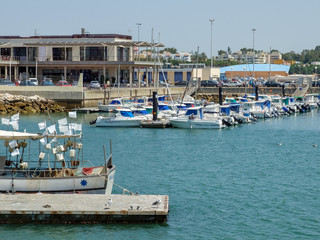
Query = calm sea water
x=236 y=183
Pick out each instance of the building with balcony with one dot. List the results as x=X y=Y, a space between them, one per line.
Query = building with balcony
x=102 y=57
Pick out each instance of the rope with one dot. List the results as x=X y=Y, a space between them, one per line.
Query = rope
x=123 y=189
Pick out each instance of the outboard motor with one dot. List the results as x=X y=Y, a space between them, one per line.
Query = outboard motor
x=254 y=116
x=237 y=120
x=93 y=122
x=225 y=122
x=292 y=110
x=301 y=110
x=286 y=110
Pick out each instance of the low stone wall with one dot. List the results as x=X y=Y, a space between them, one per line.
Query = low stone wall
x=11 y=104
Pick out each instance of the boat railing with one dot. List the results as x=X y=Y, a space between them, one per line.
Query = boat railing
x=34 y=169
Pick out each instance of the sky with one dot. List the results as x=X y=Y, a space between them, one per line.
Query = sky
x=285 y=25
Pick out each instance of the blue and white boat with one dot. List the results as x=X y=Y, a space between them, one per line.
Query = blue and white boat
x=123 y=118
x=194 y=118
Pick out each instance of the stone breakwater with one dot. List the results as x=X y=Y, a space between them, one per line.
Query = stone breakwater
x=26 y=105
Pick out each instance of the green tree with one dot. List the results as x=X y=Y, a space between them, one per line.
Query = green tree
x=229 y=50
x=221 y=52
x=170 y=50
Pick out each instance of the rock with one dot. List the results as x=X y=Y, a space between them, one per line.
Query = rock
x=20 y=104
x=29 y=109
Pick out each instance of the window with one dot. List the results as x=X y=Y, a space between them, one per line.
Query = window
x=123 y=54
x=58 y=54
x=32 y=53
x=92 y=53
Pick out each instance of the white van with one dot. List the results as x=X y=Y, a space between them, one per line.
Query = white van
x=34 y=81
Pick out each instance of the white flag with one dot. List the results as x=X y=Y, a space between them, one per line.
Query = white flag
x=42 y=125
x=72 y=126
x=45 y=132
x=13 y=143
x=54 y=140
x=15 y=117
x=5 y=121
x=15 y=152
x=78 y=127
x=52 y=129
x=63 y=129
x=43 y=141
x=14 y=125
x=73 y=114
x=63 y=121
x=69 y=132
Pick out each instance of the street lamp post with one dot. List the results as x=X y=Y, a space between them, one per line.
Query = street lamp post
x=254 y=54
x=231 y=73
x=315 y=69
x=211 y=20
x=138 y=24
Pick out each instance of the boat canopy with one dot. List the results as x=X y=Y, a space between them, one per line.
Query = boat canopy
x=196 y=111
x=126 y=113
x=231 y=100
x=235 y=107
x=163 y=107
x=225 y=110
x=161 y=98
x=116 y=102
x=182 y=107
x=139 y=112
x=264 y=104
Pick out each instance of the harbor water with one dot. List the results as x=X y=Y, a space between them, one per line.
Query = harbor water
x=253 y=181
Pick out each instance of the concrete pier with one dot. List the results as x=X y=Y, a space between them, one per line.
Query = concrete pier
x=83 y=208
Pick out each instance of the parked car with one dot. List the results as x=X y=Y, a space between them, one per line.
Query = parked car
x=209 y=83
x=26 y=83
x=180 y=83
x=94 y=84
x=34 y=81
x=47 y=83
x=142 y=83
x=63 y=83
x=6 y=82
x=272 y=84
x=75 y=83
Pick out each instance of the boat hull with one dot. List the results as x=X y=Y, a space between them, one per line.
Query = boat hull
x=195 y=124
x=118 y=123
x=79 y=184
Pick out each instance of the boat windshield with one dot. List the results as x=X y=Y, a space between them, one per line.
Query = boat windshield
x=115 y=102
x=192 y=111
x=140 y=112
x=181 y=107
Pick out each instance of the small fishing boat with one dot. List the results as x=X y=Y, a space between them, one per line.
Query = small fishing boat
x=54 y=165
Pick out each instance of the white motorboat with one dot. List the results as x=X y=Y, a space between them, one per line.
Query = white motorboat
x=54 y=165
x=123 y=118
x=194 y=118
x=115 y=104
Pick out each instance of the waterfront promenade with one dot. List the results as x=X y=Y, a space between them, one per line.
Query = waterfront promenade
x=78 y=96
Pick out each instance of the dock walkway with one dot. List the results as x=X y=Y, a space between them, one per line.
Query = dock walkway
x=83 y=208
